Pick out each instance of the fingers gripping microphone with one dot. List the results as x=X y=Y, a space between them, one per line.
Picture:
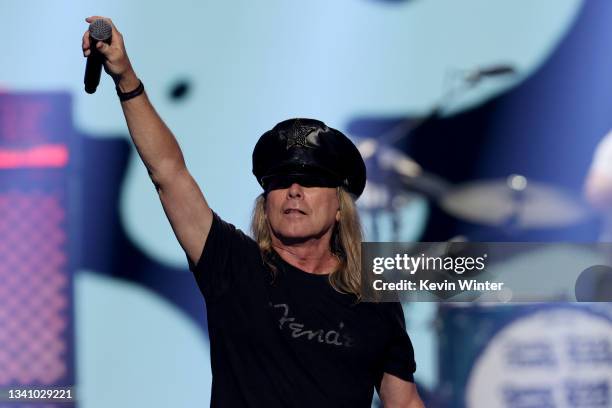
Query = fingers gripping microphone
x=99 y=30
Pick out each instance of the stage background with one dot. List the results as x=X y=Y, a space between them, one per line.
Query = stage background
x=222 y=73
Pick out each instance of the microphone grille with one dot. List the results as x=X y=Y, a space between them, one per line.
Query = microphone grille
x=100 y=30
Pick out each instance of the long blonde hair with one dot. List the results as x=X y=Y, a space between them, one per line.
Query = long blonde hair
x=345 y=242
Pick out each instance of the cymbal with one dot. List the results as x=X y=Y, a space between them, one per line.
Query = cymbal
x=391 y=169
x=514 y=202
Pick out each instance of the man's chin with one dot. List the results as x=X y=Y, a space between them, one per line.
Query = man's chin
x=292 y=237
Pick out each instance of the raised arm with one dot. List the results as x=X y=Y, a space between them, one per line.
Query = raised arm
x=181 y=198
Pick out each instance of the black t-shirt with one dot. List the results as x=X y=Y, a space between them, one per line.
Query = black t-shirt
x=292 y=341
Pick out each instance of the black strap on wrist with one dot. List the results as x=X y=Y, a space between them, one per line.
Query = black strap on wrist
x=125 y=96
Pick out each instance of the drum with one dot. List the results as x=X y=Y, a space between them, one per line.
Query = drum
x=525 y=356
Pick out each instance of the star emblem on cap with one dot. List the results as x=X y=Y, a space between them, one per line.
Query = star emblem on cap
x=298 y=135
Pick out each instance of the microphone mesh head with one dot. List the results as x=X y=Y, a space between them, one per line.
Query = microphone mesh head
x=100 y=30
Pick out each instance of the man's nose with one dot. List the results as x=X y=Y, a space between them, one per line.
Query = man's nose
x=295 y=191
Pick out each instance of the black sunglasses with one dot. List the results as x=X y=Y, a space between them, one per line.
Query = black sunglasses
x=277 y=182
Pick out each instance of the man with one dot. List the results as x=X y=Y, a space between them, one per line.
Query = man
x=285 y=325
x=598 y=185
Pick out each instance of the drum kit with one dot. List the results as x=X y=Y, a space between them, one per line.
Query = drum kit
x=477 y=340
x=512 y=204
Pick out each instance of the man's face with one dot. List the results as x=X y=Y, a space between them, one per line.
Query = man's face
x=298 y=213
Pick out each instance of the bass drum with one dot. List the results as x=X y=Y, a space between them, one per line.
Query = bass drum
x=525 y=356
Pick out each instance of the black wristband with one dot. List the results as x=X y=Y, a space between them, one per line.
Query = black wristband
x=125 y=96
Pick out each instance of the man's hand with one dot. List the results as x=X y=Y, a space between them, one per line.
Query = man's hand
x=116 y=61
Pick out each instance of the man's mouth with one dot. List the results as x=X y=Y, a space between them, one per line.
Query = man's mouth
x=294 y=211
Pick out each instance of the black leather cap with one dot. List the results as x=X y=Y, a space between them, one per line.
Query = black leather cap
x=309 y=150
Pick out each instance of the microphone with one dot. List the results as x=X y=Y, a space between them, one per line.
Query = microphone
x=99 y=30
x=493 y=70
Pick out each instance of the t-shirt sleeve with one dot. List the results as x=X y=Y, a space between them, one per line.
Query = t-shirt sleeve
x=225 y=259
x=399 y=354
